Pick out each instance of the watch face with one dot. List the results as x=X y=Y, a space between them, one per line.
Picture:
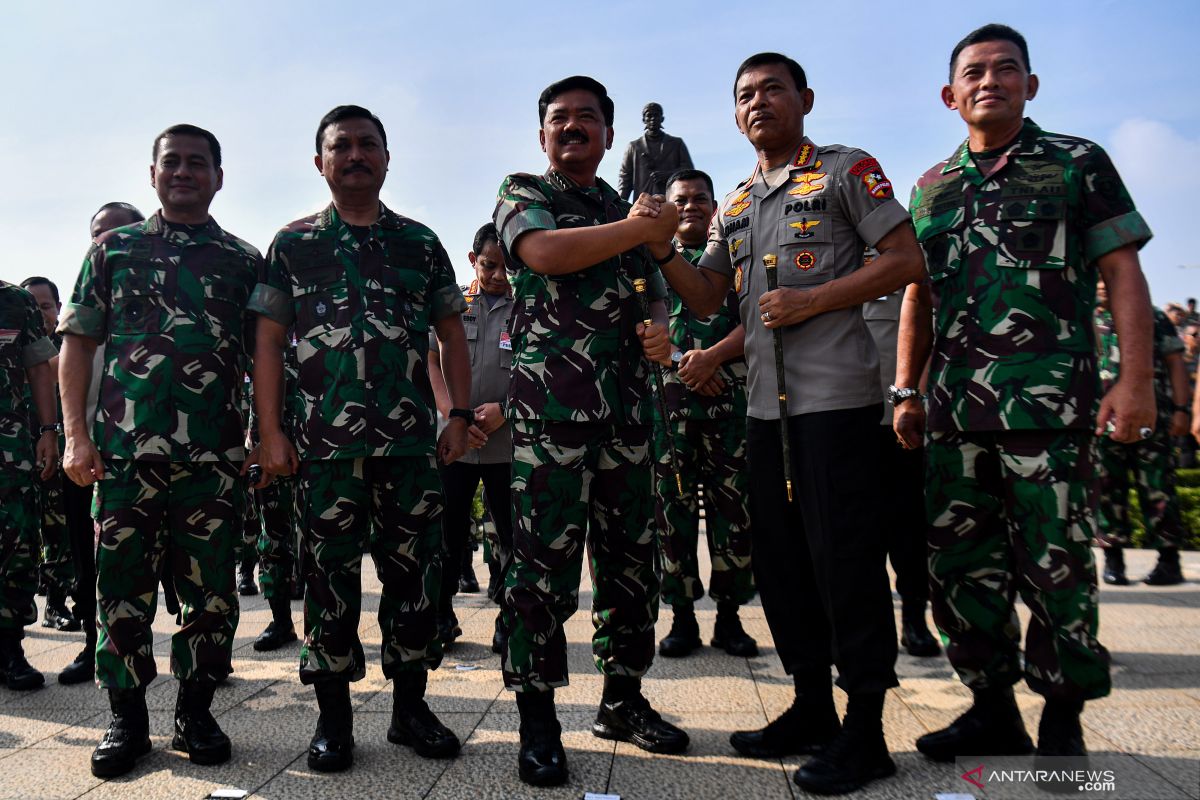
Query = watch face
x=676 y=357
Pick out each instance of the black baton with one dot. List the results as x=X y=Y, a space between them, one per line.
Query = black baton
x=770 y=264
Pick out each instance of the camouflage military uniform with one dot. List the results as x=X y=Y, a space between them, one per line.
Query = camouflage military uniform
x=57 y=566
x=710 y=441
x=1011 y=255
x=23 y=344
x=362 y=310
x=168 y=302
x=1151 y=460
x=580 y=409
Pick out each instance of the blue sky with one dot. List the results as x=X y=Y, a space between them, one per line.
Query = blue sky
x=456 y=83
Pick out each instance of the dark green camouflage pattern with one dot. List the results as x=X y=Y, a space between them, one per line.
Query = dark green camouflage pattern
x=18 y=547
x=1011 y=257
x=1011 y=513
x=278 y=535
x=394 y=506
x=189 y=514
x=1166 y=342
x=169 y=304
x=23 y=343
x=578 y=485
x=576 y=353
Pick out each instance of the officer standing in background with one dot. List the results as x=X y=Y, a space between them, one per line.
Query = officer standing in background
x=1017 y=225
x=25 y=355
x=708 y=423
x=579 y=406
x=903 y=481
x=1152 y=460
x=363 y=286
x=489 y=459
x=167 y=298
x=811 y=210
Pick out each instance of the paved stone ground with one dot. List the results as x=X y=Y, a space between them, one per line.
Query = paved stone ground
x=1150 y=724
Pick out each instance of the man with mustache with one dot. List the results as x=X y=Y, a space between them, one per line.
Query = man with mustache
x=579 y=406
x=167 y=299
x=706 y=402
x=362 y=287
x=809 y=210
x=1017 y=226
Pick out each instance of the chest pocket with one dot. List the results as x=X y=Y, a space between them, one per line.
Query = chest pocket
x=941 y=237
x=318 y=283
x=806 y=252
x=225 y=295
x=1032 y=231
x=741 y=251
x=405 y=280
x=139 y=303
x=471 y=328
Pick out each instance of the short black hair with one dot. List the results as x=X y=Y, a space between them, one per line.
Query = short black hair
x=992 y=32
x=348 y=112
x=190 y=130
x=131 y=210
x=766 y=59
x=487 y=233
x=691 y=175
x=551 y=92
x=38 y=280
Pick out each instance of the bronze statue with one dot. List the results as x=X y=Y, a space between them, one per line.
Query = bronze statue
x=651 y=158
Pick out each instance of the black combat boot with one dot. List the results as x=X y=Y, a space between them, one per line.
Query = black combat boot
x=467 y=584
x=992 y=726
x=447 y=628
x=332 y=746
x=246 y=585
x=57 y=615
x=542 y=760
x=83 y=668
x=1060 y=746
x=684 y=636
x=128 y=736
x=279 y=630
x=857 y=756
x=809 y=724
x=15 y=670
x=729 y=635
x=626 y=716
x=196 y=730
x=1114 y=566
x=500 y=637
x=413 y=724
x=1167 y=572
x=914 y=633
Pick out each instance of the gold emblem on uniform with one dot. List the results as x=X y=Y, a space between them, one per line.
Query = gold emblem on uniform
x=734 y=246
x=805 y=260
x=804 y=227
x=739 y=204
x=808 y=182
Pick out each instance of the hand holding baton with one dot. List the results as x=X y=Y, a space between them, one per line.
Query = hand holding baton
x=639 y=288
x=770 y=264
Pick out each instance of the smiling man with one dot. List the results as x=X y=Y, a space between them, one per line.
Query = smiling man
x=167 y=299
x=1017 y=225
x=579 y=406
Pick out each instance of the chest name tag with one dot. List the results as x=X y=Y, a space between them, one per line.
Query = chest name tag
x=505 y=341
x=8 y=335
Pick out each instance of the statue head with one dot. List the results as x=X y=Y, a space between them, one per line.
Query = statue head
x=652 y=118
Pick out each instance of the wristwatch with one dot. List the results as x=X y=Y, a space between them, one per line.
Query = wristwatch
x=54 y=427
x=896 y=395
x=676 y=357
x=463 y=413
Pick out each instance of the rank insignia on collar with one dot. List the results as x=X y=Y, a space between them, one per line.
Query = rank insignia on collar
x=737 y=279
x=802 y=156
x=804 y=227
x=808 y=182
x=739 y=205
x=805 y=260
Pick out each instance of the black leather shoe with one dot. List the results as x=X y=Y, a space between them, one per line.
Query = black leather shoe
x=1167 y=571
x=730 y=636
x=15 y=671
x=851 y=761
x=992 y=726
x=127 y=738
x=500 y=637
x=57 y=615
x=541 y=760
x=1060 y=745
x=81 y=670
x=1114 y=567
x=684 y=636
x=280 y=630
x=467 y=584
x=332 y=745
x=633 y=720
x=196 y=730
x=448 y=630
x=916 y=639
x=414 y=725
x=246 y=585
x=802 y=729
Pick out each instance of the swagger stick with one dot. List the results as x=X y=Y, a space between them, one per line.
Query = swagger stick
x=771 y=263
x=639 y=287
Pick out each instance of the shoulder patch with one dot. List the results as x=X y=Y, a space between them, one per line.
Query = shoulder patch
x=871 y=174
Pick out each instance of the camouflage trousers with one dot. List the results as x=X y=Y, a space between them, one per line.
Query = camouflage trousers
x=1011 y=512
x=19 y=522
x=1153 y=468
x=188 y=512
x=577 y=484
x=276 y=545
x=58 y=568
x=395 y=505
x=251 y=530
x=711 y=452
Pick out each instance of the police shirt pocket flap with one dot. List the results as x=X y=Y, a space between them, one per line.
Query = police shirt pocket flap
x=739 y=243
x=804 y=229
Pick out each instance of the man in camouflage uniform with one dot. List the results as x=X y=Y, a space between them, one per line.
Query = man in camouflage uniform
x=810 y=210
x=363 y=285
x=25 y=355
x=57 y=568
x=1151 y=460
x=167 y=299
x=1016 y=226
x=579 y=406
x=706 y=401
